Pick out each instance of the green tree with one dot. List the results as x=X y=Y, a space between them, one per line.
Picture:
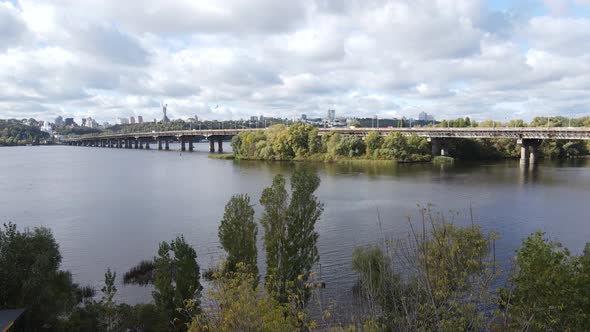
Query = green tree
x=290 y=238
x=550 y=288
x=237 y=234
x=242 y=307
x=447 y=274
x=176 y=281
x=373 y=141
x=30 y=276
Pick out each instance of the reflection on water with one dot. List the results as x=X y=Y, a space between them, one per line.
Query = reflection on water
x=111 y=207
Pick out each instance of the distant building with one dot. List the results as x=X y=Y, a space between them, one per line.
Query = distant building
x=123 y=121
x=254 y=118
x=261 y=118
x=69 y=122
x=89 y=122
x=59 y=121
x=106 y=124
x=131 y=120
x=331 y=115
x=139 y=119
x=46 y=127
x=303 y=116
x=423 y=116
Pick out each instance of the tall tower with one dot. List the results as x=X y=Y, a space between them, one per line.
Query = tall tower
x=164 y=110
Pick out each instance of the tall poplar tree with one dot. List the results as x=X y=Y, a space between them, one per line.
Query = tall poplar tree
x=237 y=234
x=290 y=238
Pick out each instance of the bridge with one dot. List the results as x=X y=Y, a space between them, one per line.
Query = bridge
x=529 y=138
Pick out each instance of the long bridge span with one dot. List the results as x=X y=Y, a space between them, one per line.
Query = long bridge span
x=529 y=138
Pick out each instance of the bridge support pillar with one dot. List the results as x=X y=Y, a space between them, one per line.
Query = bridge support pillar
x=529 y=150
x=211 y=145
x=524 y=153
x=182 y=144
x=136 y=143
x=190 y=144
x=140 y=144
x=166 y=145
x=220 y=145
x=159 y=144
x=147 y=144
x=534 y=151
x=118 y=143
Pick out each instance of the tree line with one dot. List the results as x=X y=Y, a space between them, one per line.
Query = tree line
x=440 y=277
x=302 y=142
x=21 y=132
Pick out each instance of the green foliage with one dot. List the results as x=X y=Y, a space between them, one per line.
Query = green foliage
x=30 y=276
x=438 y=279
x=290 y=238
x=142 y=274
x=21 y=132
x=106 y=315
x=240 y=307
x=398 y=147
x=237 y=234
x=176 y=280
x=301 y=142
x=373 y=141
x=550 y=288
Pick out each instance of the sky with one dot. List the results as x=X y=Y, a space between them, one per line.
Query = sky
x=233 y=59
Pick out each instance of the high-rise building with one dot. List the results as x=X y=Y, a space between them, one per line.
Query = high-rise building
x=131 y=120
x=331 y=115
x=69 y=122
x=303 y=116
x=423 y=116
x=89 y=122
x=59 y=121
x=139 y=119
x=123 y=121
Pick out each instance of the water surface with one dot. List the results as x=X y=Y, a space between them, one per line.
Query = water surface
x=111 y=207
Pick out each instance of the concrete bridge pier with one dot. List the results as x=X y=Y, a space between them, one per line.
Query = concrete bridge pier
x=118 y=143
x=136 y=143
x=159 y=144
x=191 y=148
x=140 y=144
x=529 y=150
x=211 y=145
x=534 y=150
x=147 y=144
x=524 y=154
x=166 y=145
x=220 y=145
x=182 y=144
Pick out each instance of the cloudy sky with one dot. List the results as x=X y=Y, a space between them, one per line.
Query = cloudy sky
x=231 y=59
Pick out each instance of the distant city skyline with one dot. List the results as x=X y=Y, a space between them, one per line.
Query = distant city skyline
x=222 y=60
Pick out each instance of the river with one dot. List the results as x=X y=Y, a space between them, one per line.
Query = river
x=111 y=207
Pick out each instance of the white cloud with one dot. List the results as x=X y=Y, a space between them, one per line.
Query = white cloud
x=247 y=57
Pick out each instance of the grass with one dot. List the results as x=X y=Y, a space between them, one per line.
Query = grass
x=443 y=160
x=222 y=156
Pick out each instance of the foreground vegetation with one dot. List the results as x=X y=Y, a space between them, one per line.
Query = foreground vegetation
x=441 y=277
